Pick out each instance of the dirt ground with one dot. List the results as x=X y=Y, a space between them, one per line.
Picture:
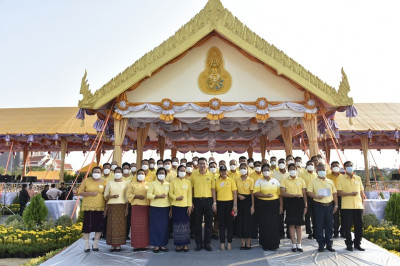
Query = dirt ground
x=13 y=262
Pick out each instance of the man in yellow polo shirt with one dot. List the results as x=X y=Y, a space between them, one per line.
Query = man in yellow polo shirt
x=351 y=190
x=233 y=170
x=257 y=172
x=274 y=167
x=308 y=176
x=322 y=190
x=150 y=177
x=334 y=176
x=204 y=201
x=108 y=175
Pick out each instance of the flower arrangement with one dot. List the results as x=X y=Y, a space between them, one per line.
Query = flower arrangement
x=386 y=236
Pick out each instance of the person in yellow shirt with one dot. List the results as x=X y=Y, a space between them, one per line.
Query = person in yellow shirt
x=180 y=193
x=268 y=207
x=126 y=172
x=189 y=170
x=289 y=159
x=204 y=202
x=351 y=190
x=334 y=176
x=257 y=171
x=160 y=164
x=195 y=161
x=152 y=166
x=293 y=189
x=279 y=174
x=170 y=173
x=299 y=165
x=245 y=221
x=233 y=170
x=159 y=211
x=274 y=167
x=226 y=190
x=308 y=176
x=150 y=177
x=255 y=176
x=250 y=164
x=136 y=195
x=108 y=175
x=93 y=205
x=133 y=170
x=116 y=210
x=212 y=167
x=323 y=192
x=175 y=164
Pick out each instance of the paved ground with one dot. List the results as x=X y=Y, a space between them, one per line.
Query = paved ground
x=13 y=262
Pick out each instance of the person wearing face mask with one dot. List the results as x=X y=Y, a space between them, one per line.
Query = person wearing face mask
x=273 y=165
x=212 y=167
x=116 y=210
x=170 y=173
x=183 y=162
x=195 y=161
x=245 y=221
x=133 y=170
x=126 y=172
x=268 y=208
x=189 y=170
x=150 y=177
x=226 y=190
x=280 y=175
x=159 y=211
x=160 y=164
x=175 y=164
x=152 y=166
x=93 y=205
x=256 y=174
x=322 y=190
x=204 y=202
x=308 y=176
x=351 y=189
x=289 y=159
x=299 y=166
x=136 y=195
x=233 y=170
x=293 y=189
x=322 y=161
x=180 y=193
x=114 y=164
x=108 y=174
x=250 y=168
x=334 y=176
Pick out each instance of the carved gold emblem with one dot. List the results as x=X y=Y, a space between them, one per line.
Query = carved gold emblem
x=214 y=79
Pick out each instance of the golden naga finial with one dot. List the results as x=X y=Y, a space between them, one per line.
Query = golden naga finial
x=86 y=93
x=344 y=89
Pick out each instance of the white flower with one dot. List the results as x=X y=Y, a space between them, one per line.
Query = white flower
x=122 y=104
x=261 y=103
x=166 y=104
x=311 y=102
x=214 y=103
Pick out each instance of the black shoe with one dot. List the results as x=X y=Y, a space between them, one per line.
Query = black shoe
x=310 y=236
x=358 y=247
x=321 y=249
x=207 y=247
x=156 y=250
x=164 y=249
x=349 y=248
x=186 y=250
x=86 y=250
x=248 y=248
x=118 y=250
x=215 y=237
x=330 y=249
x=294 y=249
x=243 y=248
x=198 y=247
x=112 y=250
x=336 y=236
x=128 y=238
x=137 y=249
x=95 y=249
x=143 y=249
x=299 y=249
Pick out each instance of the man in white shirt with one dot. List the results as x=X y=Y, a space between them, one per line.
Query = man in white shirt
x=53 y=193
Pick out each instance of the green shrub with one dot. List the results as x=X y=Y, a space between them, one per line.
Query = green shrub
x=64 y=221
x=36 y=212
x=12 y=218
x=392 y=210
x=47 y=225
x=370 y=219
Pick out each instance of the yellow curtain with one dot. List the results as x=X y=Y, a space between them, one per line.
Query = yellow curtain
x=64 y=145
x=161 y=146
x=364 y=145
x=310 y=126
x=120 y=127
x=141 y=141
x=287 y=138
x=250 y=152
x=174 y=151
x=263 y=145
x=25 y=159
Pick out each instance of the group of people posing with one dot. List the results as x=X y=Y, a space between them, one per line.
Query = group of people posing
x=248 y=199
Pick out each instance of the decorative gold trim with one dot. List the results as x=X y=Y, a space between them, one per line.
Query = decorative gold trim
x=214 y=17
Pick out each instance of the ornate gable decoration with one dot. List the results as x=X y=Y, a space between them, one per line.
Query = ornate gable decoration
x=214 y=17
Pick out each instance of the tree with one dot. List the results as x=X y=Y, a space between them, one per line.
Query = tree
x=36 y=212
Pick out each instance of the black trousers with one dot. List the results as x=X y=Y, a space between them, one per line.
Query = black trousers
x=203 y=208
x=225 y=218
x=352 y=217
x=309 y=217
x=336 y=219
x=22 y=206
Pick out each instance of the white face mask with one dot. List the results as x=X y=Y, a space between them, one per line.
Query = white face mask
x=257 y=168
x=349 y=169
x=113 y=167
x=266 y=173
x=96 y=175
x=213 y=170
x=232 y=167
x=189 y=169
x=175 y=163
x=336 y=169
x=182 y=174
x=118 y=175
x=140 y=177
x=282 y=166
x=195 y=162
x=161 y=177
x=321 y=173
x=320 y=160
x=243 y=171
x=310 y=167
x=152 y=165
x=292 y=172
x=125 y=171
x=273 y=162
x=167 y=167
x=184 y=164
x=133 y=169
x=290 y=161
x=160 y=165
x=298 y=164
x=145 y=167
x=107 y=171
x=251 y=164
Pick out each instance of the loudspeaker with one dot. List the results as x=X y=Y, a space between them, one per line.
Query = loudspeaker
x=29 y=179
x=395 y=176
x=5 y=178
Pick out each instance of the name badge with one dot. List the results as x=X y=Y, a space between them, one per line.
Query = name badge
x=146 y=187
x=247 y=185
x=185 y=186
x=222 y=184
x=356 y=182
x=101 y=186
x=298 y=183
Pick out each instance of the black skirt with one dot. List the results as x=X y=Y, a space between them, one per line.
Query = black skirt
x=244 y=218
x=268 y=221
x=294 y=211
x=92 y=221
